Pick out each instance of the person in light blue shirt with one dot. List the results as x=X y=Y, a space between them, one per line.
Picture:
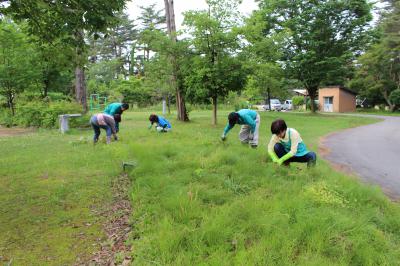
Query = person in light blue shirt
x=250 y=121
x=163 y=124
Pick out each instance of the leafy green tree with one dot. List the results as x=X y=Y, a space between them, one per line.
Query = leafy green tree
x=67 y=21
x=55 y=62
x=215 y=70
x=133 y=90
x=378 y=72
x=151 y=19
x=116 y=44
x=265 y=80
x=18 y=70
x=319 y=38
x=158 y=77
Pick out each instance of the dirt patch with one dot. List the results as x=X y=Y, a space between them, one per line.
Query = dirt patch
x=9 y=132
x=115 y=251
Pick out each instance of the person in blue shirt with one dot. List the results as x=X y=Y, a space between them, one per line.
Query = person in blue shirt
x=163 y=124
x=116 y=108
x=250 y=121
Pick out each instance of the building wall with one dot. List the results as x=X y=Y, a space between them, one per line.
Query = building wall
x=343 y=101
x=331 y=92
x=347 y=102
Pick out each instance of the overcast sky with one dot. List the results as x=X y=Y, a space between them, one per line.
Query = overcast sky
x=181 y=6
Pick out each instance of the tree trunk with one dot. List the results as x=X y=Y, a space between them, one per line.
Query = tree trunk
x=46 y=87
x=169 y=103
x=312 y=92
x=80 y=88
x=214 y=99
x=10 y=102
x=385 y=95
x=164 y=105
x=180 y=101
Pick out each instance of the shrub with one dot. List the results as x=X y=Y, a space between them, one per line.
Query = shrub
x=42 y=114
x=6 y=118
x=298 y=100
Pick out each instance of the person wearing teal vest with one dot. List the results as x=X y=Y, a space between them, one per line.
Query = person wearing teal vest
x=116 y=108
x=250 y=121
x=286 y=146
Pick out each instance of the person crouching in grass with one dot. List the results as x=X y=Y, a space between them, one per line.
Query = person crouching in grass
x=250 y=121
x=163 y=124
x=105 y=122
x=286 y=146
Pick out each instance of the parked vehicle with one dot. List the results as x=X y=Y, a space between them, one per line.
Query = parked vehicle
x=275 y=105
x=287 y=105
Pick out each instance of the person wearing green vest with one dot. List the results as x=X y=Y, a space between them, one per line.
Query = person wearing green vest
x=250 y=121
x=286 y=146
x=116 y=108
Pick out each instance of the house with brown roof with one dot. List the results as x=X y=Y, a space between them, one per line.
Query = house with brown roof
x=336 y=99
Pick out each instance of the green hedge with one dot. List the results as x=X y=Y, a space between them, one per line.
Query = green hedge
x=42 y=114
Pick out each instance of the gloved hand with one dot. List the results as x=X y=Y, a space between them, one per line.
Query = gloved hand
x=115 y=137
x=251 y=136
x=284 y=158
x=273 y=156
x=223 y=137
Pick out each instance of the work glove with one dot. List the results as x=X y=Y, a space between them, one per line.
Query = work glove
x=285 y=157
x=115 y=137
x=223 y=137
x=273 y=156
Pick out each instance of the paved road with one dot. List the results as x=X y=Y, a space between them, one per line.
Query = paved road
x=372 y=151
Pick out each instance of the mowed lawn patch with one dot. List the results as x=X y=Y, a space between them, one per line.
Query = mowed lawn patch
x=196 y=200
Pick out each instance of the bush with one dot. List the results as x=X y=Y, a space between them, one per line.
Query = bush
x=297 y=101
x=41 y=114
x=6 y=118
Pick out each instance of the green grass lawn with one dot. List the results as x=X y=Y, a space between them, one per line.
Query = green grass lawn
x=371 y=111
x=196 y=200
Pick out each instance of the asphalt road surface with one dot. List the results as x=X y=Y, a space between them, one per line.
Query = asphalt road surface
x=372 y=152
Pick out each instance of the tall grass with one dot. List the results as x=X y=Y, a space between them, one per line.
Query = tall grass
x=196 y=200
x=200 y=201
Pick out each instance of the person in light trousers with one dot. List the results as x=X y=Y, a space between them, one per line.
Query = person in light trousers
x=250 y=121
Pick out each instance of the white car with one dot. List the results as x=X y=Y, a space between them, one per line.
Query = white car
x=275 y=105
x=287 y=105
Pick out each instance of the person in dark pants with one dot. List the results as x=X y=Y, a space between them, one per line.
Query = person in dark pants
x=286 y=146
x=105 y=122
x=116 y=109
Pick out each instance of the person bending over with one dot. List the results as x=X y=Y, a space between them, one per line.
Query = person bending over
x=250 y=121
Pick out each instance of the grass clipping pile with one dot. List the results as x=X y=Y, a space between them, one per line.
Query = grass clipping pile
x=115 y=251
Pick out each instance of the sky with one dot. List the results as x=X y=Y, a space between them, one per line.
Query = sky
x=181 y=6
